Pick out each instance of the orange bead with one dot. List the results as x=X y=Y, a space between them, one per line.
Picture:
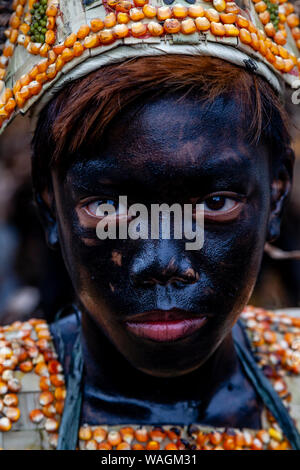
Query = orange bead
x=60 y=393
x=217 y=29
x=67 y=54
x=284 y=53
x=152 y=445
x=24 y=28
x=106 y=36
x=212 y=15
x=114 y=438
x=91 y=445
x=83 y=31
x=52 y=71
x=51 y=425
x=215 y=438
x=228 y=18
x=12 y=413
x=149 y=11
x=171 y=446
x=196 y=11
x=13 y=36
x=91 y=41
x=296 y=33
x=164 y=13
x=257 y=445
x=141 y=434
x=203 y=24
x=44 y=50
x=260 y=7
x=264 y=17
x=180 y=11
x=26 y=366
x=229 y=443
x=110 y=20
x=78 y=49
x=2 y=74
x=155 y=29
x=10 y=399
x=49 y=411
x=255 y=45
x=70 y=40
x=85 y=433
x=188 y=26
x=51 y=10
x=270 y=29
x=120 y=31
x=242 y=22
x=138 y=447
x=46 y=398
x=123 y=446
x=140 y=3
x=14 y=21
x=231 y=30
x=157 y=434
x=35 y=87
x=262 y=47
x=231 y=7
x=138 y=29
x=50 y=37
x=136 y=14
x=123 y=5
x=104 y=446
x=44 y=381
x=9 y=107
x=96 y=25
x=50 y=22
x=51 y=57
x=8 y=50
x=123 y=18
x=5 y=424
x=19 y=10
x=36 y=416
x=292 y=20
x=279 y=38
x=172 y=26
x=245 y=36
x=42 y=67
x=19 y=100
x=59 y=407
x=99 y=434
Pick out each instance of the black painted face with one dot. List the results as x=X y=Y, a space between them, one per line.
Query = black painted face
x=168 y=151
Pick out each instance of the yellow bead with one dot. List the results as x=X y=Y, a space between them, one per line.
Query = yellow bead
x=155 y=29
x=91 y=41
x=120 y=31
x=196 y=11
x=149 y=11
x=217 y=29
x=138 y=29
x=110 y=20
x=70 y=40
x=180 y=11
x=123 y=18
x=172 y=26
x=106 y=36
x=97 y=25
x=231 y=30
x=136 y=14
x=219 y=5
x=164 y=13
x=188 y=26
x=203 y=24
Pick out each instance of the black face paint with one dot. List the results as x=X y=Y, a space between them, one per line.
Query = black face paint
x=170 y=151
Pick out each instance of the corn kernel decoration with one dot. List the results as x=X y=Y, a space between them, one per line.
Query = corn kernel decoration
x=275 y=341
x=264 y=30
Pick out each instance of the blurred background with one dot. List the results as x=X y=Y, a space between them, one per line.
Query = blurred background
x=33 y=279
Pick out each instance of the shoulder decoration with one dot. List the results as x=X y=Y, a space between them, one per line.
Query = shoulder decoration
x=33 y=391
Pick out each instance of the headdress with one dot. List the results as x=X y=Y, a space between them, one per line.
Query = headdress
x=52 y=42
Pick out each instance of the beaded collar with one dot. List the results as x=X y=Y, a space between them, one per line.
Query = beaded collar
x=33 y=393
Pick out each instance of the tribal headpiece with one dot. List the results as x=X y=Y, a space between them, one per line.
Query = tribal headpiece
x=51 y=42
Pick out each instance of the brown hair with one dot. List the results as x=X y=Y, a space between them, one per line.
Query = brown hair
x=80 y=113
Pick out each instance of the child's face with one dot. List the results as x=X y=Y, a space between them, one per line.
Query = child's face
x=172 y=152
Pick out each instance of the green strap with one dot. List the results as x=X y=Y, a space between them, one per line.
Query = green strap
x=268 y=395
x=69 y=425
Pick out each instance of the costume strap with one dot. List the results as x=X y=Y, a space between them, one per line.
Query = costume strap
x=69 y=426
x=266 y=392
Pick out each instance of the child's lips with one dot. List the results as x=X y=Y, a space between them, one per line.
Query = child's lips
x=165 y=325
